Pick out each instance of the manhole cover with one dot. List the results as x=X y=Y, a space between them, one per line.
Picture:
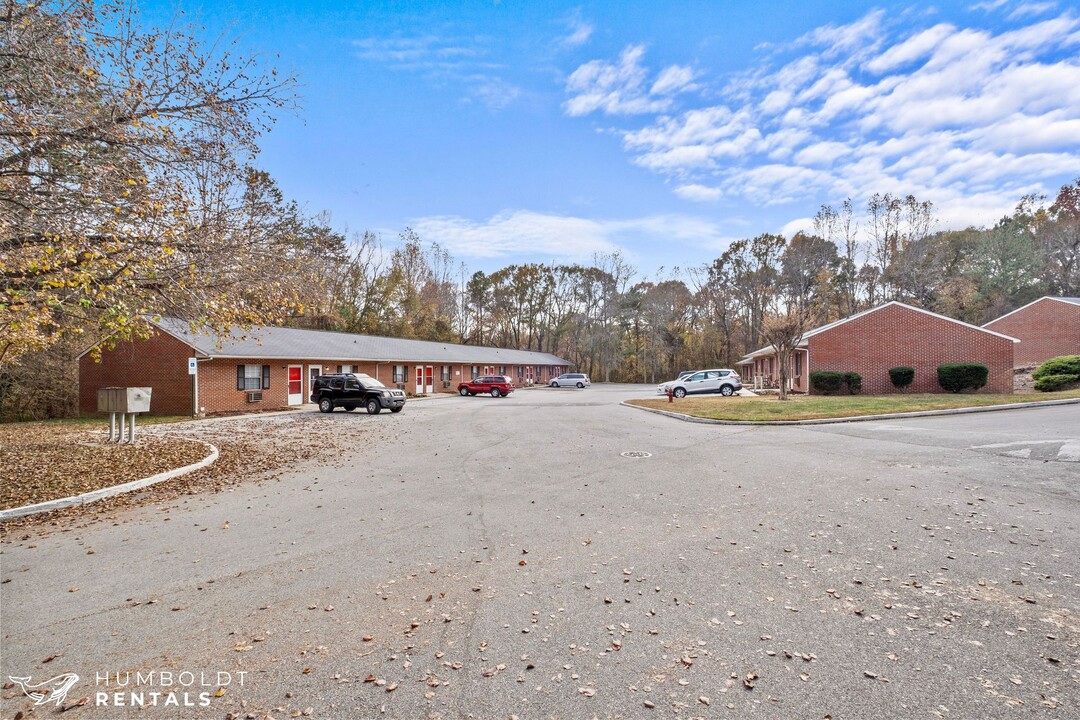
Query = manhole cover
x=636 y=454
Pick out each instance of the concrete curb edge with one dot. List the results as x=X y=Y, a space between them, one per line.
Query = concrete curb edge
x=857 y=418
x=94 y=495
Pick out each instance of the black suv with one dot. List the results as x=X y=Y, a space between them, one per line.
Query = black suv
x=350 y=391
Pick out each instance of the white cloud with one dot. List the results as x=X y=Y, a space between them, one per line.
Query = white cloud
x=621 y=88
x=493 y=92
x=562 y=237
x=580 y=32
x=822 y=153
x=878 y=105
x=852 y=37
x=464 y=61
x=423 y=52
x=803 y=224
x=1026 y=9
x=699 y=193
x=914 y=48
x=673 y=79
x=509 y=232
x=988 y=5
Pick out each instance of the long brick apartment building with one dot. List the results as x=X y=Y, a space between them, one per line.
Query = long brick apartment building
x=884 y=337
x=275 y=367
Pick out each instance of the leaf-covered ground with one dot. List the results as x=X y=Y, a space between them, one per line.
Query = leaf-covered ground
x=44 y=461
x=47 y=461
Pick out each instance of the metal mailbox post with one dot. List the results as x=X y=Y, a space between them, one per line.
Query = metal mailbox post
x=125 y=402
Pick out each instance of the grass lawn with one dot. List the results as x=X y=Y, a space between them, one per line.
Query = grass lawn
x=811 y=407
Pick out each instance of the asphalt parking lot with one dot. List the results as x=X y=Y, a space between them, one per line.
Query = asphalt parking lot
x=556 y=555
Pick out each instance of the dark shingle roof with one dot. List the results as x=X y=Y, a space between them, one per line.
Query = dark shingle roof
x=294 y=343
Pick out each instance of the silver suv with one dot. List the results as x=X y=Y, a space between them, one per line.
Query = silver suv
x=725 y=382
x=580 y=380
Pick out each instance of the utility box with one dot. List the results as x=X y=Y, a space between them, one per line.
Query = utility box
x=124 y=399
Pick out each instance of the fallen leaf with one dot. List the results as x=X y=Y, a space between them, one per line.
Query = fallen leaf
x=78 y=703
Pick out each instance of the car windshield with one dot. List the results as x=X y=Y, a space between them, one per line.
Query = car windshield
x=370 y=382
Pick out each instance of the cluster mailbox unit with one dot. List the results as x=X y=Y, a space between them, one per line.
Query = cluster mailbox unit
x=125 y=402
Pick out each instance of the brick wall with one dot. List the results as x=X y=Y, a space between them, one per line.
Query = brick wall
x=1046 y=329
x=159 y=363
x=898 y=336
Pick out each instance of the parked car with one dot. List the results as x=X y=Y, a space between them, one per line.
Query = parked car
x=580 y=380
x=353 y=390
x=725 y=382
x=497 y=385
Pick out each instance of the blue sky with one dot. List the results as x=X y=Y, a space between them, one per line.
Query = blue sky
x=524 y=131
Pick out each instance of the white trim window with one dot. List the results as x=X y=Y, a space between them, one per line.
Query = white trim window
x=400 y=371
x=252 y=377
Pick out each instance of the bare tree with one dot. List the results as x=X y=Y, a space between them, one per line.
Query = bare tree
x=783 y=329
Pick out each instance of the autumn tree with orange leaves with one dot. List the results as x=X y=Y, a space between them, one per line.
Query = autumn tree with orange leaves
x=125 y=181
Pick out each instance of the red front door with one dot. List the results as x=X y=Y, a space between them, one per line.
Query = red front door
x=296 y=385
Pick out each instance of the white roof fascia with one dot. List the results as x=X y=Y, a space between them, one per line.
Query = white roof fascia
x=830 y=326
x=353 y=359
x=958 y=322
x=1025 y=307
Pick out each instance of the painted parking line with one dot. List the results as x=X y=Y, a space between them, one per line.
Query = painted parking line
x=1066 y=450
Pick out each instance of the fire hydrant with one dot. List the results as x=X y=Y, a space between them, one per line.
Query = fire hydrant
x=670 y=395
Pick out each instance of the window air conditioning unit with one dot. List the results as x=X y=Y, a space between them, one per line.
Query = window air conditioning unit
x=255 y=396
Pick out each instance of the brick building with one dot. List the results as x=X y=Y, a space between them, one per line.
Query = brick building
x=888 y=336
x=1046 y=328
x=275 y=367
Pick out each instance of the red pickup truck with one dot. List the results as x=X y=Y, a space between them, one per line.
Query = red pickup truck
x=497 y=385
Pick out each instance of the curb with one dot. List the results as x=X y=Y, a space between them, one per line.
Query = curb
x=102 y=493
x=857 y=418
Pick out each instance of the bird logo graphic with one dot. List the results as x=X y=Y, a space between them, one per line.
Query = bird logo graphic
x=52 y=690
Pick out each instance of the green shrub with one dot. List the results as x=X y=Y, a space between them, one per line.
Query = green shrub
x=853 y=380
x=1051 y=383
x=826 y=381
x=901 y=377
x=957 y=377
x=1064 y=365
